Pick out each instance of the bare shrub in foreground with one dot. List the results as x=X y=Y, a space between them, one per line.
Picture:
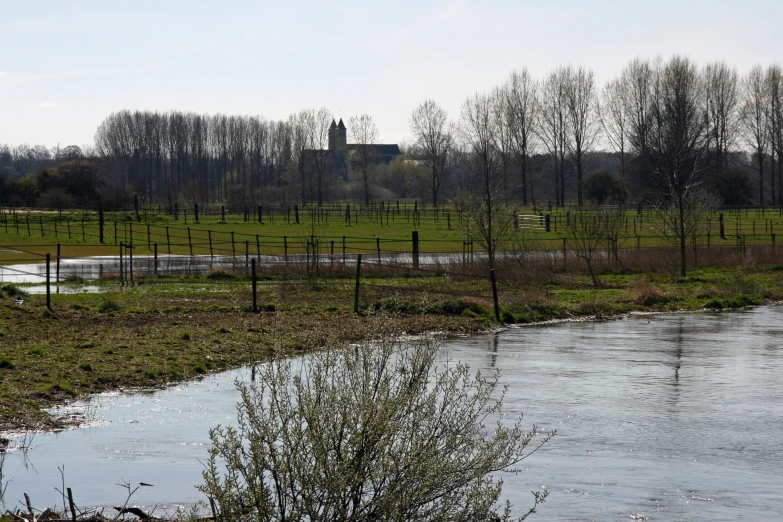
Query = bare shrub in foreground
x=369 y=432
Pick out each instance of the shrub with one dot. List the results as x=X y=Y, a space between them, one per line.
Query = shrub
x=6 y=364
x=357 y=432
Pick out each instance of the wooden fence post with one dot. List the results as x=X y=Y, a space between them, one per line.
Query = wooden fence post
x=156 y=259
x=122 y=272
x=415 y=251
x=356 y=291
x=57 y=267
x=130 y=262
x=48 y=281
x=100 y=225
x=168 y=240
x=253 y=279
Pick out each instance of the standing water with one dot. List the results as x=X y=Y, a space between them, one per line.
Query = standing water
x=668 y=417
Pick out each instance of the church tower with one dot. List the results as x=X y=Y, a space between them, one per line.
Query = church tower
x=333 y=135
x=342 y=135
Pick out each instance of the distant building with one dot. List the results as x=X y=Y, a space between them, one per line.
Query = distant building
x=342 y=151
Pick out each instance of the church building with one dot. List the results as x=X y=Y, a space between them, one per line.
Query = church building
x=339 y=146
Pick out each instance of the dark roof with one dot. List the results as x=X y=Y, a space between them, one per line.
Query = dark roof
x=333 y=125
x=383 y=149
x=341 y=125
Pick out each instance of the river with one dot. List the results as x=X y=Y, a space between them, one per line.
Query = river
x=659 y=417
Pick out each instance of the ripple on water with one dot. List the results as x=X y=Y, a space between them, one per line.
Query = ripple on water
x=664 y=417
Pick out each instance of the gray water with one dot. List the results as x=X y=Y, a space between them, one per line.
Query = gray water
x=93 y=268
x=668 y=417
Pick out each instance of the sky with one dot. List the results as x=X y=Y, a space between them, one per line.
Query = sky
x=65 y=66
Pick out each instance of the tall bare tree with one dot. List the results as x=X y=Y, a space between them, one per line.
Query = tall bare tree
x=613 y=112
x=522 y=92
x=721 y=89
x=774 y=80
x=553 y=130
x=678 y=139
x=754 y=120
x=581 y=99
x=434 y=141
x=364 y=134
x=637 y=79
x=487 y=219
x=504 y=140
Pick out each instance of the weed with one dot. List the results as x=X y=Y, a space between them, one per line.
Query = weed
x=12 y=290
x=108 y=305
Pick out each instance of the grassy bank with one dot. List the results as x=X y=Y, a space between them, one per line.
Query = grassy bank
x=164 y=331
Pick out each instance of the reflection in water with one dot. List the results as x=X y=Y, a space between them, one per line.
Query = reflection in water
x=643 y=430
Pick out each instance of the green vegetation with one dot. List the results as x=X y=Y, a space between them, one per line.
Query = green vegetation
x=168 y=329
x=375 y=418
x=390 y=230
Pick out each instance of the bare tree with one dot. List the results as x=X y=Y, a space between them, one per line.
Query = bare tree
x=487 y=218
x=774 y=80
x=553 y=130
x=300 y=147
x=613 y=112
x=678 y=139
x=637 y=78
x=588 y=233
x=582 y=117
x=754 y=119
x=691 y=221
x=364 y=134
x=522 y=92
x=721 y=89
x=316 y=124
x=434 y=141
x=504 y=140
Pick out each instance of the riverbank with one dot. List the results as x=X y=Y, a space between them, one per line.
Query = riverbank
x=154 y=335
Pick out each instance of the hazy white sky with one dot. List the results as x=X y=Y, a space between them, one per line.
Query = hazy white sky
x=65 y=65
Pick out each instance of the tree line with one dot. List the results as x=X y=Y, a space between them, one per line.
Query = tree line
x=538 y=140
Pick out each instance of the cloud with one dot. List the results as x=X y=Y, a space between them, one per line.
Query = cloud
x=2 y=74
x=46 y=105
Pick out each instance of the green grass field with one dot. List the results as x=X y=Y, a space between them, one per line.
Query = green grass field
x=78 y=233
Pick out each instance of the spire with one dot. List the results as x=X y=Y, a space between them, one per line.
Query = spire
x=341 y=125
x=333 y=125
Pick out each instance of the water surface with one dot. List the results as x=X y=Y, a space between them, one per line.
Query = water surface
x=668 y=417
